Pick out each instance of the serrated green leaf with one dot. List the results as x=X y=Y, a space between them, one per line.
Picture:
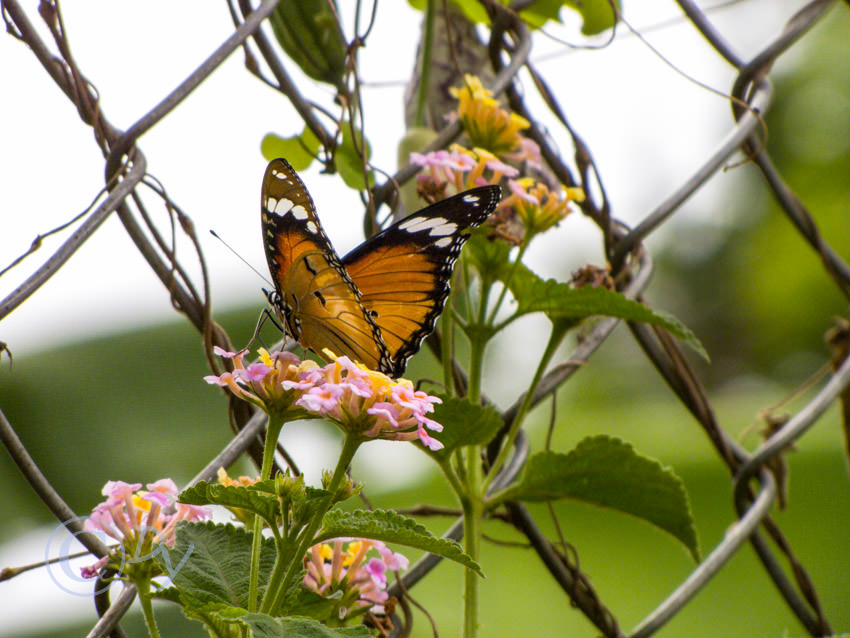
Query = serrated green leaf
x=251 y=498
x=303 y=602
x=606 y=471
x=225 y=621
x=560 y=301
x=348 y=161
x=464 y=423
x=391 y=527
x=298 y=150
x=295 y=627
x=209 y=562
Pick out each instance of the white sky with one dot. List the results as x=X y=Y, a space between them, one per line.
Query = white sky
x=648 y=127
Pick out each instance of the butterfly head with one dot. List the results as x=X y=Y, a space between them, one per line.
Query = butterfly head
x=287 y=316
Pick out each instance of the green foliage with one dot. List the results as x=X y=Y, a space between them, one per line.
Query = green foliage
x=597 y=15
x=223 y=621
x=348 y=158
x=389 y=526
x=208 y=563
x=257 y=498
x=298 y=150
x=559 y=301
x=309 y=33
x=414 y=141
x=464 y=423
x=605 y=471
x=226 y=622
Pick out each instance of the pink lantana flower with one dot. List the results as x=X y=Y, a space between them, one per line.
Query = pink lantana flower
x=357 y=399
x=139 y=519
x=343 y=570
x=370 y=403
x=262 y=382
x=450 y=172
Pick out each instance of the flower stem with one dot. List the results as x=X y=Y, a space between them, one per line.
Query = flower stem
x=147 y=607
x=559 y=330
x=272 y=432
x=506 y=283
x=276 y=591
x=472 y=509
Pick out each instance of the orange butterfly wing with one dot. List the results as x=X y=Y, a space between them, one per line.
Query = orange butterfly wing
x=315 y=297
x=403 y=273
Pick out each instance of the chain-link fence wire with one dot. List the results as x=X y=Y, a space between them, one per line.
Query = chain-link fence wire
x=754 y=485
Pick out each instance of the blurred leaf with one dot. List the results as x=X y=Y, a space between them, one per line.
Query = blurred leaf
x=348 y=161
x=597 y=15
x=308 y=32
x=414 y=141
x=391 y=527
x=605 y=471
x=298 y=150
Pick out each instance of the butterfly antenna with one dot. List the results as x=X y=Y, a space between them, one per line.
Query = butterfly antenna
x=240 y=257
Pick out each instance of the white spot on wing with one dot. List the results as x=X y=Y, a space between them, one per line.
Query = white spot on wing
x=282 y=207
x=445 y=242
x=448 y=228
x=311 y=227
x=419 y=224
x=299 y=212
x=471 y=199
x=279 y=174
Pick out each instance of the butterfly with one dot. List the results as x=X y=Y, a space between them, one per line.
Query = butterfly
x=379 y=301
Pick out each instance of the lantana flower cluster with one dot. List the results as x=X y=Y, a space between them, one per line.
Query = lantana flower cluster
x=457 y=169
x=538 y=207
x=342 y=569
x=486 y=123
x=139 y=519
x=356 y=399
x=498 y=145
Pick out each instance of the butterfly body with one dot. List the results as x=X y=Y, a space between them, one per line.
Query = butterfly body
x=379 y=301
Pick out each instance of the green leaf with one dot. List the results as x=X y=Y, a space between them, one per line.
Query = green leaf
x=226 y=622
x=464 y=423
x=490 y=258
x=254 y=498
x=308 y=32
x=348 y=161
x=391 y=527
x=298 y=150
x=209 y=563
x=560 y=301
x=606 y=471
x=294 y=627
x=597 y=15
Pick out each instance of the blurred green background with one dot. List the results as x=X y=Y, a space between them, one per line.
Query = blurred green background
x=133 y=406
